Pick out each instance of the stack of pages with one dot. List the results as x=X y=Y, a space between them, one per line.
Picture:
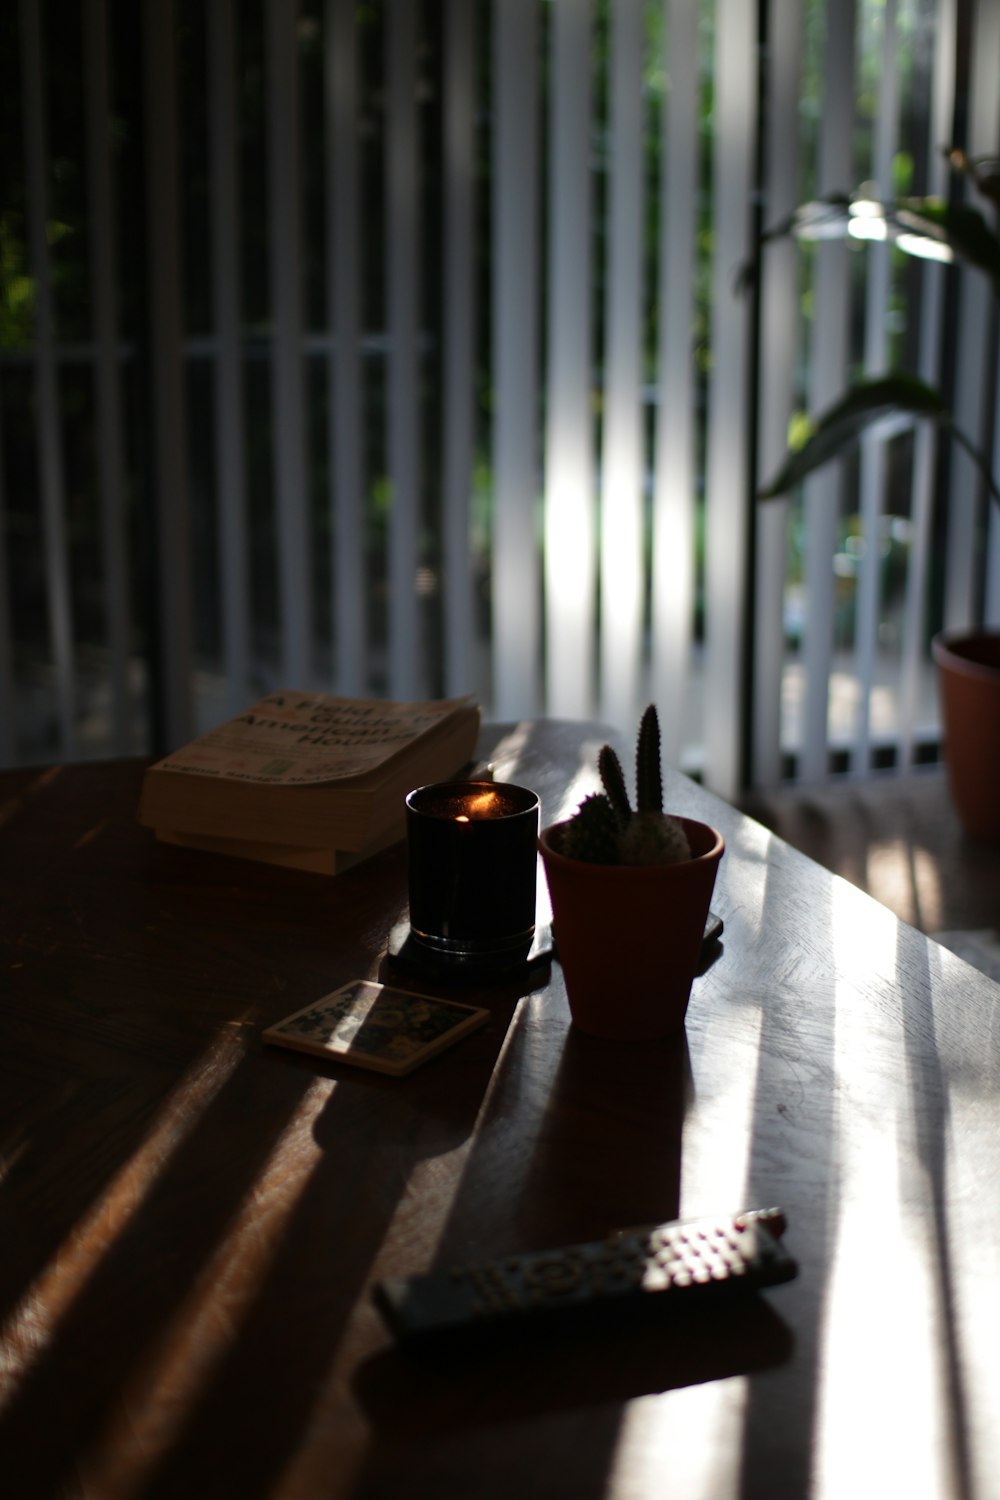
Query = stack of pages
x=307 y=780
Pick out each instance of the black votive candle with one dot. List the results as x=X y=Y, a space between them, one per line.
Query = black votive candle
x=472 y=861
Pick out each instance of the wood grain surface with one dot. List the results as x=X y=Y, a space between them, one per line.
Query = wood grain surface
x=192 y=1222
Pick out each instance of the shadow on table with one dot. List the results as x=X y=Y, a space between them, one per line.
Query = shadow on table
x=281 y=1355
x=103 y=1358
x=594 y=1144
x=543 y=1398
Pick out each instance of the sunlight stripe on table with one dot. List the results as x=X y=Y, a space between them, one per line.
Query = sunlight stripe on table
x=695 y=1434
x=163 y=1391
x=686 y=1442
x=881 y=1311
x=26 y=1335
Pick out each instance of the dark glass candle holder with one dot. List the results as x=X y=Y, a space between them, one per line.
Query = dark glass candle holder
x=472 y=849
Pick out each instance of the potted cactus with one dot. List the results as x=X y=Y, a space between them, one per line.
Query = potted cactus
x=630 y=890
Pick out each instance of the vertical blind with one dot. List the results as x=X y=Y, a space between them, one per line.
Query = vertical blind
x=420 y=366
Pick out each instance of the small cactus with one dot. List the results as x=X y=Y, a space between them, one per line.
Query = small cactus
x=613 y=779
x=653 y=838
x=648 y=776
x=593 y=832
x=606 y=830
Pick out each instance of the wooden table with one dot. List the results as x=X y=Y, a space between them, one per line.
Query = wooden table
x=192 y=1222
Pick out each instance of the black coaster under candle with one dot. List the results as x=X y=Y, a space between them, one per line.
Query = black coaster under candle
x=406 y=955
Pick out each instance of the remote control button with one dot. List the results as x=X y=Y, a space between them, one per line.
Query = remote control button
x=556 y=1276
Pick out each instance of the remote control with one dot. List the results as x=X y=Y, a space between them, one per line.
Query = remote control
x=632 y=1268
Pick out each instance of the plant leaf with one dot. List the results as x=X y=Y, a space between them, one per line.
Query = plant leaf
x=963 y=228
x=842 y=424
x=958 y=225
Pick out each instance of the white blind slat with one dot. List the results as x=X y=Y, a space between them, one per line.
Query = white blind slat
x=516 y=626
x=459 y=344
x=873 y=447
x=570 y=543
x=401 y=293
x=344 y=301
x=779 y=322
x=974 y=324
x=170 y=473
x=726 y=519
x=48 y=432
x=674 y=476
x=288 y=374
x=828 y=376
x=623 y=459
x=226 y=294
x=925 y=446
x=107 y=371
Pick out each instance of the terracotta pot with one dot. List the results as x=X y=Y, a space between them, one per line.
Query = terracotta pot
x=629 y=937
x=968 y=667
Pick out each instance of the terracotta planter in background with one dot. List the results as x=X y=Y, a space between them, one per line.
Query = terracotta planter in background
x=629 y=937
x=968 y=668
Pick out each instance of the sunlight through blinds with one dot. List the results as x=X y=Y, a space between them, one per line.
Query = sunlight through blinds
x=778 y=346
x=570 y=547
x=622 y=473
x=674 y=474
x=516 y=614
x=726 y=479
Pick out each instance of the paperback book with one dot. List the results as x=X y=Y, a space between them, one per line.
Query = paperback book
x=306 y=779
